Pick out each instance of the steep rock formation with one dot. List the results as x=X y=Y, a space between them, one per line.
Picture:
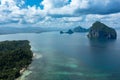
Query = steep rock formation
x=102 y=31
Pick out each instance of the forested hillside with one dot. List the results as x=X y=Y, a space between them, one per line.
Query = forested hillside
x=14 y=55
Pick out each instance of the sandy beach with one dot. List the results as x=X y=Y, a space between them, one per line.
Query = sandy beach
x=24 y=72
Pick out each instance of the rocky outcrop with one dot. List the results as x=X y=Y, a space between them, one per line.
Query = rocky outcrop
x=70 y=31
x=80 y=29
x=61 y=32
x=101 y=31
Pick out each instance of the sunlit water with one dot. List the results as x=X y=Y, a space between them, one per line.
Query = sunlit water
x=70 y=57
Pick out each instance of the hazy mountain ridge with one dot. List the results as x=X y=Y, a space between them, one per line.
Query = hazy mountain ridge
x=13 y=30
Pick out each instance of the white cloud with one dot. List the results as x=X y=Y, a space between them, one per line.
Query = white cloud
x=33 y=14
x=10 y=13
x=59 y=12
x=61 y=7
x=64 y=8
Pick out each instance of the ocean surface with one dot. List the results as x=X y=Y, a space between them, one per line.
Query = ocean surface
x=70 y=57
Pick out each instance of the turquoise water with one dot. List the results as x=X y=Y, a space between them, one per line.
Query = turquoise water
x=70 y=57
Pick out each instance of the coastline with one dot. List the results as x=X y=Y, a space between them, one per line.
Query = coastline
x=24 y=74
x=25 y=70
x=22 y=71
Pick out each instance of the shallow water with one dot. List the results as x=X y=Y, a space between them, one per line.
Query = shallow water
x=70 y=57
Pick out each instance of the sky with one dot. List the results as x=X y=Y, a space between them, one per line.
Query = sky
x=59 y=13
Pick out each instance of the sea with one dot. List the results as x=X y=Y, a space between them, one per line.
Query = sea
x=70 y=56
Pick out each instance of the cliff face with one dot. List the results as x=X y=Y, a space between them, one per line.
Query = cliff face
x=101 y=31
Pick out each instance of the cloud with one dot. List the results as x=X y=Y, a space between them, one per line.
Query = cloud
x=101 y=7
x=59 y=12
x=82 y=7
x=10 y=12
x=111 y=19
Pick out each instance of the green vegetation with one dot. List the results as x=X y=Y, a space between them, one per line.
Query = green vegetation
x=102 y=31
x=14 y=55
x=80 y=29
x=68 y=32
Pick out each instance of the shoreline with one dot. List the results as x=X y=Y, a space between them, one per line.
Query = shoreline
x=24 y=69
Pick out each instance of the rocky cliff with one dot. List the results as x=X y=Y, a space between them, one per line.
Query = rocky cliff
x=101 y=31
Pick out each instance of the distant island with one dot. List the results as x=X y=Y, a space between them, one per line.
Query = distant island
x=14 y=56
x=78 y=29
x=67 y=32
x=101 y=31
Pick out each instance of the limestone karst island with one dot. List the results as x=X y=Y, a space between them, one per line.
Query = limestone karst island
x=101 y=31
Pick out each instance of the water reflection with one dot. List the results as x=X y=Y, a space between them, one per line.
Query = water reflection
x=102 y=47
x=104 y=55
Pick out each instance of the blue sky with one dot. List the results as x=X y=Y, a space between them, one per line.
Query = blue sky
x=33 y=2
x=58 y=13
